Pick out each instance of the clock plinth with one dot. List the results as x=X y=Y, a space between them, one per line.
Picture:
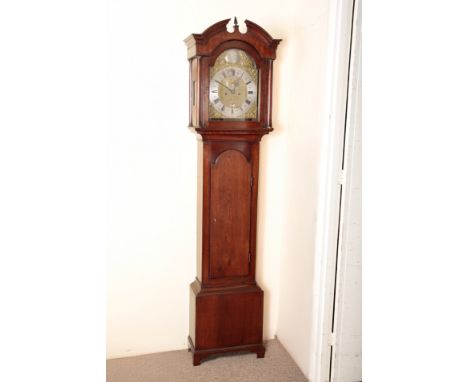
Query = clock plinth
x=225 y=319
x=230 y=109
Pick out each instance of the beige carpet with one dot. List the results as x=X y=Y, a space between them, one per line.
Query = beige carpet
x=175 y=366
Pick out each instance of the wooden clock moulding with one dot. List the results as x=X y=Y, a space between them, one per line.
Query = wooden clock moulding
x=226 y=304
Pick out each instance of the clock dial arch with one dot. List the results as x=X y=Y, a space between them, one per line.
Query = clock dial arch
x=262 y=68
x=233 y=88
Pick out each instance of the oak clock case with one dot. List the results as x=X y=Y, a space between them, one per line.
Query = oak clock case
x=230 y=111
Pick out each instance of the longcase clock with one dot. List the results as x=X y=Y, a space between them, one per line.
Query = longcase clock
x=231 y=76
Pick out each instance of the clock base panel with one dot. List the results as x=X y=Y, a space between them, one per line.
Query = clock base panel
x=225 y=319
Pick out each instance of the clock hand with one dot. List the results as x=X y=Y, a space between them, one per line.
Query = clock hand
x=235 y=86
x=225 y=86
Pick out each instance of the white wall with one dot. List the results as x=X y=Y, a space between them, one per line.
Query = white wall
x=152 y=170
x=303 y=126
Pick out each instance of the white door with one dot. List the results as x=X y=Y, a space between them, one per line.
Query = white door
x=346 y=360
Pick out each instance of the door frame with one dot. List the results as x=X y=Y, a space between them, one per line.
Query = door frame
x=348 y=296
x=330 y=191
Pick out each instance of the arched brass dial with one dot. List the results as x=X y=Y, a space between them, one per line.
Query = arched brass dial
x=233 y=86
